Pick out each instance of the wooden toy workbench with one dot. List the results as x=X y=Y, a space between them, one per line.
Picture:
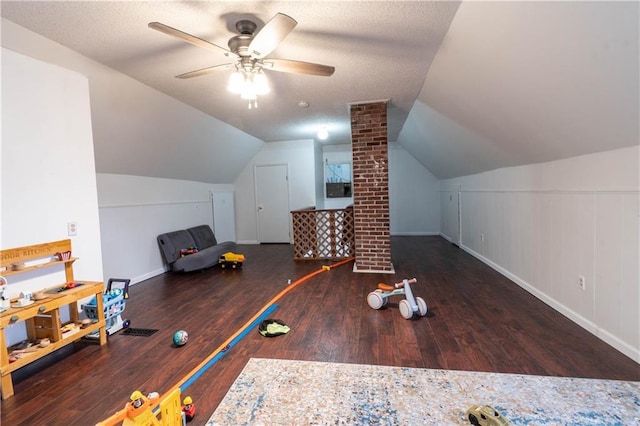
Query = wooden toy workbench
x=42 y=317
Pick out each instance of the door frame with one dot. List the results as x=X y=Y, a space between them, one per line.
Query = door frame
x=255 y=200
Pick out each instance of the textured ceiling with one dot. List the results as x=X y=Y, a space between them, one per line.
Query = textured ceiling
x=472 y=86
x=380 y=50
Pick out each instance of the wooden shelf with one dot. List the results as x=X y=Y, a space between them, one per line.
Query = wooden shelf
x=53 y=346
x=8 y=273
x=42 y=318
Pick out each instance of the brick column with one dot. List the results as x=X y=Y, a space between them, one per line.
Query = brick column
x=371 y=187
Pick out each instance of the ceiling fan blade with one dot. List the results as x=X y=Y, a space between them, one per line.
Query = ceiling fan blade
x=268 y=38
x=298 y=67
x=187 y=37
x=205 y=71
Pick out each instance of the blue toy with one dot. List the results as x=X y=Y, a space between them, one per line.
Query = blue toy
x=113 y=302
x=408 y=306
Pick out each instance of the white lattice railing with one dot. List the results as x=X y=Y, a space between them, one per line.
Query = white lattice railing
x=323 y=234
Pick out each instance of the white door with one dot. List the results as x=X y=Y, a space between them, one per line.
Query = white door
x=272 y=201
x=224 y=223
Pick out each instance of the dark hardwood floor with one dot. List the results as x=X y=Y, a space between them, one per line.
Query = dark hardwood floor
x=478 y=320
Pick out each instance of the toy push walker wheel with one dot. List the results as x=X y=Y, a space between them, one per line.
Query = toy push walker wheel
x=375 y=300
x=405 y=309
x=422 y=306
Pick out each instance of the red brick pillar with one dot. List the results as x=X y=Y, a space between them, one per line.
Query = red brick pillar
x=371 y=187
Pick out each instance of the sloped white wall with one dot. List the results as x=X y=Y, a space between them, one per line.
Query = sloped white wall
x=523 y=82
x=140 y=131
x=48 y=171
x=543 y=225
x=300 y=159
x=414 y=203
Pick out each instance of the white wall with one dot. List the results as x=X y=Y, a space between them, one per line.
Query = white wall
x=449 y=217
x=319 y=173
x=414 y=203
x=134 y=210
x=299 y=157
x=140 y=131
x=543 y=225
x=334 y=154
x=48 y=171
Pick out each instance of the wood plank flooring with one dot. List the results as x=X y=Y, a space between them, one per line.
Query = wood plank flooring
x=478 y=320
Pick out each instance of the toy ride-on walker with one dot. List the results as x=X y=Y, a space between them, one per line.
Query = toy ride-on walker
x=408 y=306
x=114 y=302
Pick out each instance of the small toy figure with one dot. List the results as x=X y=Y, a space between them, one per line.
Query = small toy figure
x=139 y=409
x=4 y=302
x=188 y=409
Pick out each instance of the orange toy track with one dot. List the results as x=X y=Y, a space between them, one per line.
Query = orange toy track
x=121 y=415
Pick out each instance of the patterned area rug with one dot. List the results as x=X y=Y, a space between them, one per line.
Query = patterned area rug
x=270 y=391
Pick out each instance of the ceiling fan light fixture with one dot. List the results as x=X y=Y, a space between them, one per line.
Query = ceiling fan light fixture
x=251 y=51
x=236 y=82
x=261 y=84
x=249 y=84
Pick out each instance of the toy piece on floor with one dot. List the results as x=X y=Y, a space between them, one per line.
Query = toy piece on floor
x=113 y=303
x=188 y=409
x=485 y=415
x=408 y=306
x=231 y=259
x=180 y=338
x=273 y=327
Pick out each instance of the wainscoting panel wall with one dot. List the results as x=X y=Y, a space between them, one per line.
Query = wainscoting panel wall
x=129 y=234
x=547 y=240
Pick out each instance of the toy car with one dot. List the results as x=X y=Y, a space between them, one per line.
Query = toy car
x=485 y=415
x=231 y=259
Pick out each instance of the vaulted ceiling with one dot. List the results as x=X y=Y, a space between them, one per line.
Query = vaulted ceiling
x=472 y=86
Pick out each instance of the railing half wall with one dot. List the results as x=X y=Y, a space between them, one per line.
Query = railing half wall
x=323 y=234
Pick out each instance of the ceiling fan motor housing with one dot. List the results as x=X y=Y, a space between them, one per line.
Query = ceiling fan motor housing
x=240 y=44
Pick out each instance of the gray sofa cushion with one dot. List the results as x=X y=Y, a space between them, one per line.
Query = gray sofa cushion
x=172 y=242
x=203 y=236
x=202 y=259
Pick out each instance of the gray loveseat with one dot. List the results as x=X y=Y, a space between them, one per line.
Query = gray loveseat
x=173 y=246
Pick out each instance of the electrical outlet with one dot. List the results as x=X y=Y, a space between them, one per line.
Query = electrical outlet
x=72 y=229
x=582 y=282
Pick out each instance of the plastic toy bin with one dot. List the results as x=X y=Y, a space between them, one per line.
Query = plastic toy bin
x=113 y=306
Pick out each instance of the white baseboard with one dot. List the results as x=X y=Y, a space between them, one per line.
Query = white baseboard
x=372 y=271
x=625 y=348
x=247 y=242
x=148 y=275
x=413 y=234
x=446 y=237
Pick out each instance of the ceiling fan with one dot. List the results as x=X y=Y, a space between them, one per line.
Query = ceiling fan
x=250 y=49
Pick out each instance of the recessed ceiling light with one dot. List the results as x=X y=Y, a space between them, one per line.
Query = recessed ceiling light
x=303 y=104
x=323 y=134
